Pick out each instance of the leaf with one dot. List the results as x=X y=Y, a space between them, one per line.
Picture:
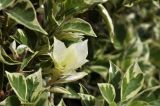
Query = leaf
x=73 y=94
x=155 y=102
x=99 y=101
x=83 y=89
x=24 y=13
x=78 y=25
x=114 y=75
x=107 y=91
x=5 y=3
x=91 y=2
x=42 y=45
x=154 y=50
x=57 y=89
x=70 y=36
x=112 y=104
x=50 y=13
x=43 y=100
x=4 y=58
x=34 y=85
x=136 y=48
x=132 y=82
x=139 y=103
x=87 y=100
x=61 y=103
x=72 y=7
x=11 y=101
x=18 y=84
x=71 y=78
x=107 y=19
x=156 y=3
x=27 y=60
x=27 y=89
x=20 y=37
x=100 y=70
x=113 y=70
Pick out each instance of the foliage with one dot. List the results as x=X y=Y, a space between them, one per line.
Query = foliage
x=79 y=53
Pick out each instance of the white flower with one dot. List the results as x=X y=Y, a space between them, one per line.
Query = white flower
x=67 y=60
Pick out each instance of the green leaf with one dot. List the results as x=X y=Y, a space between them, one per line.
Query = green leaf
x=27 y=89
x=24 y=13
x=57 y=89
x=107 y=19
x=11 y=101
x=20 y=37
x=83 y=89
x=4 y=58
x=99 y=101
x=107 y=91
x=87 y=100
x=154 y=50
x=91 y=2
x=156 y=3
x=27 y=60
x=114 y=74
x=73 y=94
x=71 y=78
x=78 y=25
x=43 y=100
x=5 y=3
x=50 y=13
x=100 y=70
x=112 y=104
x=43 y=45
x=34 y=85
x=78 y=6
x=139 y=103
x=136 y=48
x=18 y=84
x=155 y=102
x=132 y=82
x=70 y=36
x=61 y=103
x=113 y=70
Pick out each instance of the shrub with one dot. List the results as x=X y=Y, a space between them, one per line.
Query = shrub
x=79 y=52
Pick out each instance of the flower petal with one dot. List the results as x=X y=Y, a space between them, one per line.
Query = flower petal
x=81 y=48
x=76 y=55
x=58 y=50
